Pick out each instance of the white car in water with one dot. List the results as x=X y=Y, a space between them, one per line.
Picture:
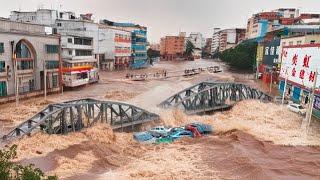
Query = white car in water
x=297 y=108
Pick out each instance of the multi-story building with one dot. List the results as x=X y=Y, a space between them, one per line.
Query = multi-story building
x=80 y=66
x=263 y=22
x=227 y=38
x=172 y=47
x=29 y=60
x=197 y=40
x=114 y=48
x=215 y=41
x=138 y=42
x=78 y=42
x=207 y=47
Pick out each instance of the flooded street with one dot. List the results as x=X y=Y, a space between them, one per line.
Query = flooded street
x=253 y=140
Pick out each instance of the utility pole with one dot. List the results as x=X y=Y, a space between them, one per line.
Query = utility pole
x=270 y=87
x=285 y=87
x=310 y=107
x=16 y=79
x=45 y=80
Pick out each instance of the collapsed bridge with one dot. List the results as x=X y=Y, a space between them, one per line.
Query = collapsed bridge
x=75 y=115
x=210 y=96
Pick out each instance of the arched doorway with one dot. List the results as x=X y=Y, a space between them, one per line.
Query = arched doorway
x=25 y=55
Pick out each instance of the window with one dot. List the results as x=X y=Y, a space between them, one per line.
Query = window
x=3 y=88
x=52 y=64
x=2 y=66
x=55 y=81
x=22 y=51
x=83 y=52
x=25 y=65
x=52 y=49
x=290 y=43
x=70 y=52
x=312 y=42
x=83 y=41
x=69 y=40
x=1 y=48
x=59 y=24
x=299 y=42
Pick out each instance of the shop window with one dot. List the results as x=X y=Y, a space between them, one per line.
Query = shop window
x=1 y=47
x=2 y=66
x=52 y=49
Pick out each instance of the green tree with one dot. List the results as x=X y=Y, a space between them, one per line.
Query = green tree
x=189 y=49
x=11 y=170
x=241 y=57
x=153 y=53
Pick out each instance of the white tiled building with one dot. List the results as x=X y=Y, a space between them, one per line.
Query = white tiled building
x=36 y=54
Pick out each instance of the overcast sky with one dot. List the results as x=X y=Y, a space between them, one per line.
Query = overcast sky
x=167 y=17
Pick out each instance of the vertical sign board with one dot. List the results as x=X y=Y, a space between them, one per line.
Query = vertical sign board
x=299 y=64
x=271 y=53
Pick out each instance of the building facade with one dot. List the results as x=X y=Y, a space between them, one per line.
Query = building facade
x=114 y=48
x=263 y=22
x=227 y=38
x=172 y=47
x=29 y=60
x=79 y=42
x=139 y=58
x=197 y=40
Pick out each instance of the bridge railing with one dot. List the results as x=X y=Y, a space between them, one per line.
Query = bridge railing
x=74 y=115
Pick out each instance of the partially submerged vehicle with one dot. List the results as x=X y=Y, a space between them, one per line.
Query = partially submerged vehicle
x=161 y=134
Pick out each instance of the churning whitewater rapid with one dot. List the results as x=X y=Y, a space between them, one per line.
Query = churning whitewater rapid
x=253 y=140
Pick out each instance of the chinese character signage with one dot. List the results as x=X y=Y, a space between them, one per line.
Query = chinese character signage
x=299 y=64
x=271 y=53
x=316 y=103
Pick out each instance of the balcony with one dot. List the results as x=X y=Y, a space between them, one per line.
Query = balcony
x=76 y=46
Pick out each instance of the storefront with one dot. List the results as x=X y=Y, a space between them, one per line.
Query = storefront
x=270 y=62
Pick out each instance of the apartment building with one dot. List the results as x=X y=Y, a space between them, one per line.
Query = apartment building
x=79 y=42
x=227 y=38
x=197 y=40
x=262 y=22
x=172 y=47
x=29 y=60
x=139 y=58
x=114 y=48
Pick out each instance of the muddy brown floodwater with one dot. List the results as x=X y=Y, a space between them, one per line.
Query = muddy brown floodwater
x=253 y=140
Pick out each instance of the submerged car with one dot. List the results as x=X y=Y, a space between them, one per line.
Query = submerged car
x=202 y=128
x=297 y=108
x=180 y=134
x=144 y=137
x=159 y=131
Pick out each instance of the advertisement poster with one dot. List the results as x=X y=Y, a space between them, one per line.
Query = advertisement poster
x=299 y=65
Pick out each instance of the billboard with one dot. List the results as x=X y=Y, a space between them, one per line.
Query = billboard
x=300 y=63
x=271 y=53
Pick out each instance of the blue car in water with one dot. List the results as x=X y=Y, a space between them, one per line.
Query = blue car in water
x=180 y=134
